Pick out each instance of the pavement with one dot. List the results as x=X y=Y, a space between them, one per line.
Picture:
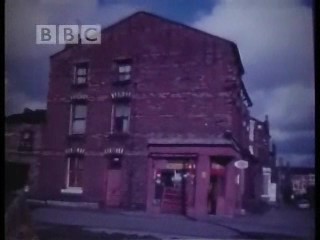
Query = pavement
x=285 y=221
x=277 y=223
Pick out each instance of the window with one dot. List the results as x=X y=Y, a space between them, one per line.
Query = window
x=311 y=179
x=251 y=149
x=74 y=172
x=121 y=118
x=26 y=141
x=78 y=118
x=266 y=180
x=124 y=71
x=81 y=74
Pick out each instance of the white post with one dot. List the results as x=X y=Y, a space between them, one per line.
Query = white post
x=242 y=183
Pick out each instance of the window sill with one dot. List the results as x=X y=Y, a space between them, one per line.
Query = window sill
x=22 y=149
x=79 y=85
x=119 y=134
x=76 y=136
x=264 y=196
x=121 y=82
x=72 y=190
x=25 y=152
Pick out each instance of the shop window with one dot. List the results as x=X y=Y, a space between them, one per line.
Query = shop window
x=26 y=141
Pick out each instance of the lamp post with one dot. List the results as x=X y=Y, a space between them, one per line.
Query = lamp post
x=241 y=165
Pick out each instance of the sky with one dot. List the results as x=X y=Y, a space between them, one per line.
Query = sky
x=275 y=40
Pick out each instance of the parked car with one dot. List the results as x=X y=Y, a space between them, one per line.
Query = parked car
x=301 y=201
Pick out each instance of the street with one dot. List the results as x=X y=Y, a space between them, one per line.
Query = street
x=61 y=223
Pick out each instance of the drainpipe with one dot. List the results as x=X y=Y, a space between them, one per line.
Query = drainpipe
x=183 y=186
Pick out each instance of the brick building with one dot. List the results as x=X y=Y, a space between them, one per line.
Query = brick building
x=263 y=170
x=23 y=140
x=153 y=118
x=295 y=183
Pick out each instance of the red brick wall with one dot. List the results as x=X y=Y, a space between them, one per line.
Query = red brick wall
x=184 y=84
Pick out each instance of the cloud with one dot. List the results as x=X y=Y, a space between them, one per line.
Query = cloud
x=306 y=160
x=18 y=101
x=275 y=40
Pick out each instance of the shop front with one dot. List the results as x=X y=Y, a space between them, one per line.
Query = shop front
x=193 y=181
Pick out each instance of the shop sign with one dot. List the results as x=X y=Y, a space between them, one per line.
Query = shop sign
x=174 y=166
x=241 y=164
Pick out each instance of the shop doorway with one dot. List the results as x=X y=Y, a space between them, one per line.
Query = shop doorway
x=213 y=195
x=114 y=182
x=217 y=186
x=174 y=186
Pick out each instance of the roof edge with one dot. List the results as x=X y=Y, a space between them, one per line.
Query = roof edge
x=233 y=44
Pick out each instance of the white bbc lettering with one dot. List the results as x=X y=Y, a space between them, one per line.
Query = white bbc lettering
x=68 y=34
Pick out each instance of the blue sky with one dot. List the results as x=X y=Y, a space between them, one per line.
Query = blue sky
x=274 y=37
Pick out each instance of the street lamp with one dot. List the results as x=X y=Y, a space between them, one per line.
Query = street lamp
x=241 y=165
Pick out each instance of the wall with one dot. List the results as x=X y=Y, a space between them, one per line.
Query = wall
x=184 y=85
x=12 y=153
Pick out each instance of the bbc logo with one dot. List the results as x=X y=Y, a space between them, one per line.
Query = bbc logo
x=68 y=34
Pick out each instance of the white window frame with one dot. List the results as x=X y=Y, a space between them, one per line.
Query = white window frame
x=251 y=130
x=68 y=189
x=124 y=69
x=72 y=107
x=266 y=175
x=75 y=74
x=113 y=115
x=251 y=149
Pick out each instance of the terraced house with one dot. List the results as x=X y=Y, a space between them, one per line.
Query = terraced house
x=154 y=118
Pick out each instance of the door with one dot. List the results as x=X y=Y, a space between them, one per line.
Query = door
x=113 y=188
x=174 y=187
x=212 y=198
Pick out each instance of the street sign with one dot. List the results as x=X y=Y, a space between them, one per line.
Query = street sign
x=241 y=164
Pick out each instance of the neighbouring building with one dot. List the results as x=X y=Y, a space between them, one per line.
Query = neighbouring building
x=264 y=186
x=154 y=118
x=296 y=182
x=23 y=140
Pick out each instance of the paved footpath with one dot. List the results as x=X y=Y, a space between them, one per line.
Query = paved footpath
x=284 y=221
x=279 y=222
x=168 y=225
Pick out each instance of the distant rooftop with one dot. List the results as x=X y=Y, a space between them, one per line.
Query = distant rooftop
x=299 y=170
x=191 y=141
x=27 y=116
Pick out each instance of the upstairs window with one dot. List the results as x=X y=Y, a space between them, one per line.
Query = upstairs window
x=81 y=74
x=26 y=141
x=124 y=68
x=78 y=118
x=121 y=117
